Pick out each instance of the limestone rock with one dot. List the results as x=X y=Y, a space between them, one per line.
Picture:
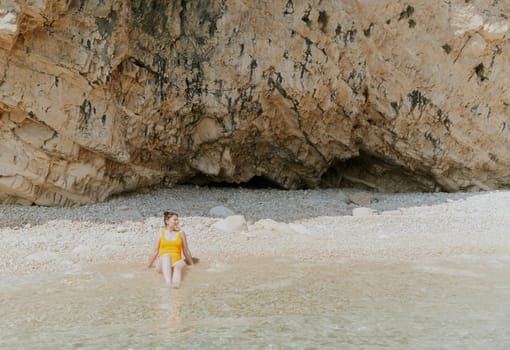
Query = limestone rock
x=221 y=211
x=231 y=224
x=101 y=97
x=363 y=211
x=361 y=198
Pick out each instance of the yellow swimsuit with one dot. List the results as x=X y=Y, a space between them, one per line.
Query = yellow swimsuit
x=172 y=248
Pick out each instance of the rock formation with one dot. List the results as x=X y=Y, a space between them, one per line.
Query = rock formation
x=101 y=97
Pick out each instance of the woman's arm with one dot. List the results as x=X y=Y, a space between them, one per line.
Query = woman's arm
x=155 y=254
x=185 y=249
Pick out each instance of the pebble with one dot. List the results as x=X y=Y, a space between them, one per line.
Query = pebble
x=284 y=223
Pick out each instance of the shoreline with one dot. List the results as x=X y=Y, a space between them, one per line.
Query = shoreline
x=313 y=225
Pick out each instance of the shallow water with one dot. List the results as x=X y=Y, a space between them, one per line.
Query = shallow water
x=455 y=303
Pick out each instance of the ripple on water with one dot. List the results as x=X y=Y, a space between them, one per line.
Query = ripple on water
x=257 y=303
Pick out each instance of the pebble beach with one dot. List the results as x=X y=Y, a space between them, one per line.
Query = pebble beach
x=225 y=224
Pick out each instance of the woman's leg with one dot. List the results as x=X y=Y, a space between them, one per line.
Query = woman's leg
x=176 y=278
x=166 y=265
x=158 y=266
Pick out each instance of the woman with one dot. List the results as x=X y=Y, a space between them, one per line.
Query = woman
x=171 y=245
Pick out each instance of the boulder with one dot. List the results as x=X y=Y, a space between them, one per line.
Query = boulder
x=231 y=224
x=221 y=211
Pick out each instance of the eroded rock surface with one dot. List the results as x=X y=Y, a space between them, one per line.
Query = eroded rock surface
x=100 y=97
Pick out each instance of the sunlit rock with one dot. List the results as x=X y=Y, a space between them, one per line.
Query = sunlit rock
x=103 y=97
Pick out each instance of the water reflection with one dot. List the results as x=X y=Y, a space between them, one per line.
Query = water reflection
x=454 y=303
x=170 y=322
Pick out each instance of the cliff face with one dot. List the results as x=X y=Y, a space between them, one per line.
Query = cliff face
x=100 y=97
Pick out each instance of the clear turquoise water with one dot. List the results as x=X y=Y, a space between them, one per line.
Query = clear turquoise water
x=456 y=303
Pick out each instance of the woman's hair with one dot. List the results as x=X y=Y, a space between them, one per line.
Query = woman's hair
x=168 y=214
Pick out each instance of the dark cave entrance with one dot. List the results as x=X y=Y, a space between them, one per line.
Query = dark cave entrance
x=367 y=171
x=256 y=182
x=375 y=173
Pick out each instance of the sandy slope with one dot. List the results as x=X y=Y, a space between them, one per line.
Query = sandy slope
x=312 y=224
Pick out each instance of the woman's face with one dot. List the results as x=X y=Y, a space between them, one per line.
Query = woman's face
x=172 y=221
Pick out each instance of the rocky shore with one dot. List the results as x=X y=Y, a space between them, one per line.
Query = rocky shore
x=225 y=224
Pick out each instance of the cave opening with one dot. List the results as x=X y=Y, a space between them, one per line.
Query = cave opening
x=367 y=171
x=256 y=182
x=373 y=172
